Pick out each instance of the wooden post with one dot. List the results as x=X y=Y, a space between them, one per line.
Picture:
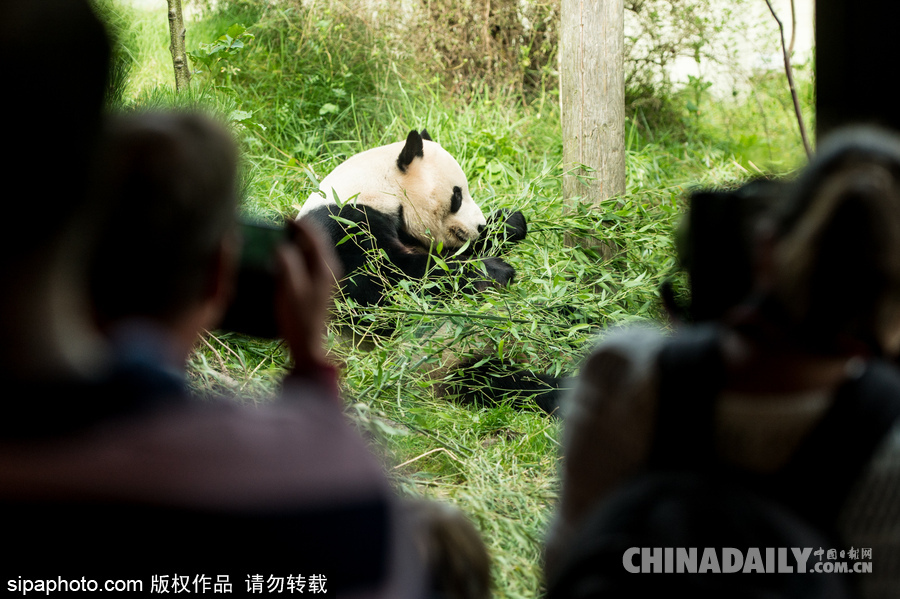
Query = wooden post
x=592 y=89
x=177 y=46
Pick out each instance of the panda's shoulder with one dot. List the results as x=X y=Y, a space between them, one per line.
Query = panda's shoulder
x=314 y=202
x=338 y=221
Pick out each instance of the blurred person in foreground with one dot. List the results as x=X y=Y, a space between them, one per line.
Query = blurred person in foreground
x=108 y=471
x=52 y=118
x=824 y=315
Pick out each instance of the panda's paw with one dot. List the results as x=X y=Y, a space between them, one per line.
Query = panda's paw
x=499 y=272
x=503 y=227
x=490 y=272
x=515 y=227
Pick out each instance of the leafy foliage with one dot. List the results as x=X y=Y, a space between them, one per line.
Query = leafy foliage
x=512 y=44
x=659 y=34
x=216 y=57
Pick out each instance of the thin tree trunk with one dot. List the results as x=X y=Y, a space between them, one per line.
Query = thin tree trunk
x=793 y=28
x=177 y=45
x=790 y=76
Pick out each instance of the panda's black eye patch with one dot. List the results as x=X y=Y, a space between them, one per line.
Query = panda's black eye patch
x=456 y=200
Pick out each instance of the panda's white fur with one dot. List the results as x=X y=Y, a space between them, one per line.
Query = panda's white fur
x=424 y=189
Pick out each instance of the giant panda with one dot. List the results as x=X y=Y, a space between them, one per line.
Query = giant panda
x=408 y=201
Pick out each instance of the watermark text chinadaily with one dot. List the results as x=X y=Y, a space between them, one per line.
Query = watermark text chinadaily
x=728 y=560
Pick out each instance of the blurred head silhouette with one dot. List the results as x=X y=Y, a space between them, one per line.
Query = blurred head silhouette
x=167 y=249
x=834 y=265
x=56 y=65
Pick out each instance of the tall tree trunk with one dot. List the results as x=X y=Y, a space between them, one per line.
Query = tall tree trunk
x=592 y=88
x=177 y=45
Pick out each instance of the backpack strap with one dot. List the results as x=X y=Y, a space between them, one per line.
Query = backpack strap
x=825 y=467
x=691 y=374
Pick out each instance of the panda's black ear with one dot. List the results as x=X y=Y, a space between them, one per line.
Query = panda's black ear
x=411 y=149
x=425 y=135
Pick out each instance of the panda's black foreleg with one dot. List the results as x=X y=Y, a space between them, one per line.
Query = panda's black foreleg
x=347 y=228
x=467 y=273
x=496 y=272
x=505 y=227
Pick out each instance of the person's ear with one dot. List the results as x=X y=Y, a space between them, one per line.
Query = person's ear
x=222 y=279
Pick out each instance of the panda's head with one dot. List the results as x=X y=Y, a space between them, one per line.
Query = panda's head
x=435 y=194
x=417 y=179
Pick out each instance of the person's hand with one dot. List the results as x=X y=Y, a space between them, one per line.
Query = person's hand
x=307 y=272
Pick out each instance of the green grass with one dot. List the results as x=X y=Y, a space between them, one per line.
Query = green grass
x=316 y=86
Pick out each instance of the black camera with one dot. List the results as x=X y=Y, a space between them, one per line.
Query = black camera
x=715 y=245
x=252 y=309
